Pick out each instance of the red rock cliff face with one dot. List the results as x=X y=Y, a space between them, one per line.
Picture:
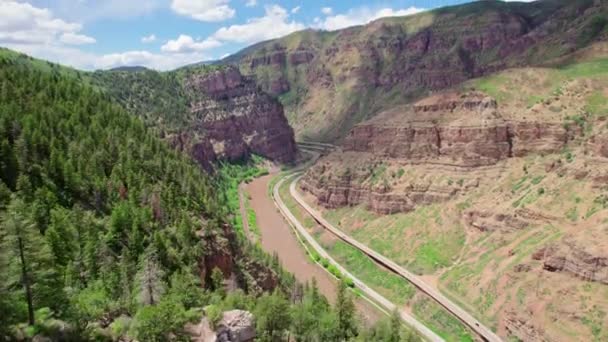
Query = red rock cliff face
x=408 y=56
x=234 y=119
x=450 y=129
x=462 y=132
x=587 y=262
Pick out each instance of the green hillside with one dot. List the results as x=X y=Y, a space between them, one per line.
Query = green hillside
x=108 y=234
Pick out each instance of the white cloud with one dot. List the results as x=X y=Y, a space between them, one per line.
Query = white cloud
x=251 y=3
x=275 y=23
x=22 y=23
x=327 y=10
x=71 y=38
x=185 y=43
x=204 y=10
x=37 y=32
x=41 y=33
x=148 y=39
x=361 y=16
x=147 y=59
x=77 y=58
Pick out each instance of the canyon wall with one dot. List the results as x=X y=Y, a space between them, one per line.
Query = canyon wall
x=331 y=80
x=460 y=134
x=233 y=119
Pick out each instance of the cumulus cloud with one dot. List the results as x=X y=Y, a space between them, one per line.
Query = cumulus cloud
x=185 y=43
x=75 y=57
x=148 y=39
x=204 y=10
x=22 y=23
x=147 y=59
x=71 y=38
x=39 y=33
x=275 y=23
x=361 y=16
x=327 y=10
x=251 y=3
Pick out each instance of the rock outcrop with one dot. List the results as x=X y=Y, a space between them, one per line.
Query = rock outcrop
x=233 y=119
x=209 y=112
x=589 y=263
x=236 y=326
x=461 y=132
x=522 y=328
x=343 y=77
x=487 y=221
x=456 y=129
x=351 y=189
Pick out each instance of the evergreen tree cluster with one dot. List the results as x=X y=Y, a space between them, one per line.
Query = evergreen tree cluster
x=99 y=217
x=103 y=227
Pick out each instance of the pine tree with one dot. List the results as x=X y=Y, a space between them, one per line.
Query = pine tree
x=217 y=281
x=35 y=271
x=272 y=317
x=395 y=327
x=150 y=278
x=345 y=310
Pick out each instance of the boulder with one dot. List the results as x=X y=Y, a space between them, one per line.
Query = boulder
x=236 y=326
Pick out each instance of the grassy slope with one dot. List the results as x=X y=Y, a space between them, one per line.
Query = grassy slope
x=478 y=269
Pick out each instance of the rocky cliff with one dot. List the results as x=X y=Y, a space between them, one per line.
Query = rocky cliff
x=210 y=112
x=455 y=134
x=582 y=259
x=234 y=119
x=330 y=81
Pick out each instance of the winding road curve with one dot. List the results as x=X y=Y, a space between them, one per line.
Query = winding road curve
x=370 y=293
x=483 y=331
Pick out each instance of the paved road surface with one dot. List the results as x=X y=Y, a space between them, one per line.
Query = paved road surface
x=483 y=331
x=389 y=306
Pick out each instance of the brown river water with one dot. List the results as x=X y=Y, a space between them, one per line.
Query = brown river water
x=278 y=237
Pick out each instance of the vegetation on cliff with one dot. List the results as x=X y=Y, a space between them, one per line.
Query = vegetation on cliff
x=99 y=217
x=330 y=81
x=106 y=232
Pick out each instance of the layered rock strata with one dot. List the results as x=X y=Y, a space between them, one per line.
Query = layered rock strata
x=464 y=132
x=233 y=119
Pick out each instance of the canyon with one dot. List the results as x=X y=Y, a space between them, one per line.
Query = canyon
x=211 y=113
x=331 y=81
x=513 y=168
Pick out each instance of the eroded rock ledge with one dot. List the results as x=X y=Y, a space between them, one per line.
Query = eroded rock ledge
x=586 y=262
x=463 y=133
x=234 y=118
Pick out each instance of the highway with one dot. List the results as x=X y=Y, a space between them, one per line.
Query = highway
x=483 y=331
x=370 y=293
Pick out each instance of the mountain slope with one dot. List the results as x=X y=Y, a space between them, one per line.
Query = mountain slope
x=329 y=81
x=211 y=112
x=495 y=189
x=101 y=219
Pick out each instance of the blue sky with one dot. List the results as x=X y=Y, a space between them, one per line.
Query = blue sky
x=165 y=34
